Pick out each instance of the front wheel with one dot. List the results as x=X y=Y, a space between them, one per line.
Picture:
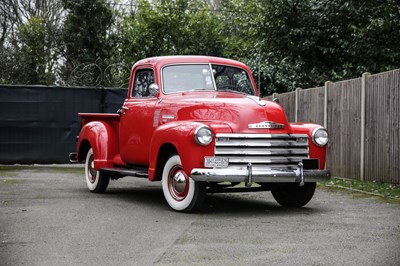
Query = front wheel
x=96 y=181
x=180 y=191
x=292 y=195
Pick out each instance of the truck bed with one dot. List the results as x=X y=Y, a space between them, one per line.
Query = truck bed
x=112 y=119
x=99 y=116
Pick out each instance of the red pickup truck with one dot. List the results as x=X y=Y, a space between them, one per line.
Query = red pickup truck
x=198 y=125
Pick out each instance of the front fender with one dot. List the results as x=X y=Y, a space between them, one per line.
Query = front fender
x=315 y=151
x=103 y=139
x=180 y=135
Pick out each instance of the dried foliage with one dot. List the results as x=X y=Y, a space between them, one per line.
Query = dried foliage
x=287 y=43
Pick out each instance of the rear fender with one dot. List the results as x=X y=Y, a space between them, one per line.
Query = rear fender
x=103 y=139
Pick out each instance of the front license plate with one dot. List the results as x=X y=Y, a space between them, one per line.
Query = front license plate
x=216 y=162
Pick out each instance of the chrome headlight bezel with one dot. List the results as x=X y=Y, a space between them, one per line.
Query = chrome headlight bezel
x=203 y=135
x=320 y=137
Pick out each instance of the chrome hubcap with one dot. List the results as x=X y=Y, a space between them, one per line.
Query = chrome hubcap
x=91 y=170
x=178 y=183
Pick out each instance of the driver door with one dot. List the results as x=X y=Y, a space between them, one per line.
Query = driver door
x=136 y=124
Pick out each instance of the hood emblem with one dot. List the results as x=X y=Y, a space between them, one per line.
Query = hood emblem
x=267 y=124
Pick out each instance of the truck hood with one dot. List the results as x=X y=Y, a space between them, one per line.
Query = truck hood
x=242 y=113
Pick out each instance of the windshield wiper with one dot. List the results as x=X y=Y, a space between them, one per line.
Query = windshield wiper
x=231 y=90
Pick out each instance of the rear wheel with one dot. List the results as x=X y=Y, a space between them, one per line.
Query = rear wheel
x=292 y=195
x=96 y=181
x=180 y=191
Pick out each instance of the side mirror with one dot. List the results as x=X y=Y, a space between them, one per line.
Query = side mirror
x=153 y=89
x=276 y=100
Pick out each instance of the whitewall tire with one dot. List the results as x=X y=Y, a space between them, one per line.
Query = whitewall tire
x=181 y=192
x=96 y=181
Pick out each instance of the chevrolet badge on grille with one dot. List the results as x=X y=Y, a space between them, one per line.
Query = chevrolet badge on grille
x=266 y=124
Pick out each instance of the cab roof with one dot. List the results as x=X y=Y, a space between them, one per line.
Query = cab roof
x=189 y=59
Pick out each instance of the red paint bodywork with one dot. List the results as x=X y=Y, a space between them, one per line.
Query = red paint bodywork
x=140 y=136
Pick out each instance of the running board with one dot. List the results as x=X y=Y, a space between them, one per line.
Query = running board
x=136 y=172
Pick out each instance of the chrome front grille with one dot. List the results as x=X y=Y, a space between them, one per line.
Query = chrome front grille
x=263 y=151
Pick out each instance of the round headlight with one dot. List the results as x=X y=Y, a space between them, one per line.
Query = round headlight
x=203 y=135
x=320 y=137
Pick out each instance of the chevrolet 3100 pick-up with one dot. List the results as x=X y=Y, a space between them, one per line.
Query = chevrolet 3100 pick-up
x=198 y=125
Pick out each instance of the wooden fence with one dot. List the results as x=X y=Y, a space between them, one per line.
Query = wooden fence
x=362 y=117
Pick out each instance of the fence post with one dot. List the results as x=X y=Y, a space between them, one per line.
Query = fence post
x=362 y=125
x=327 y=84
x=296 y=106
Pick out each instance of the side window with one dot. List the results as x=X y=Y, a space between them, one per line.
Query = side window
x=143 y=79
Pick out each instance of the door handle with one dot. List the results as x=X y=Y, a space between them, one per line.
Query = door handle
x=123 y=110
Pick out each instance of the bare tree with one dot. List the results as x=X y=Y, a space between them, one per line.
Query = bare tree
x=14 y=15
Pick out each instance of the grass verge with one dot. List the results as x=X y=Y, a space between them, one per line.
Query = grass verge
x=382 y=190
x=10 y=170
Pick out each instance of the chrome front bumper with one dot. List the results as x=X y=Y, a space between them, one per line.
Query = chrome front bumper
x=249 y=175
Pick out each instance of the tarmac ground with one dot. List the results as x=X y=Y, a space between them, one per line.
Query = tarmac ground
x=48 y=217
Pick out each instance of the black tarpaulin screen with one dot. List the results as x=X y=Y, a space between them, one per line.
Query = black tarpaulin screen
x=39 y=124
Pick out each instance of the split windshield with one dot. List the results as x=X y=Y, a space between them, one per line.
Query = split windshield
x=200 y=77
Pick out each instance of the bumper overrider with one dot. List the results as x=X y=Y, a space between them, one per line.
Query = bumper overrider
x=250 y=175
